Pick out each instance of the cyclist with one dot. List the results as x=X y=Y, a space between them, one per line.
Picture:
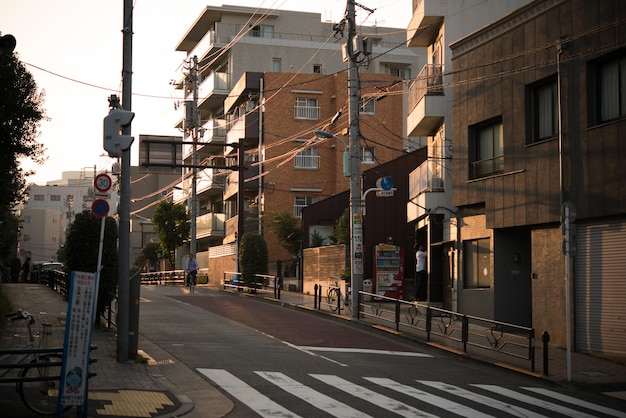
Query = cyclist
x=191 y=268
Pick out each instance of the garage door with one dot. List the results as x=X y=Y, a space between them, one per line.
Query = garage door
x=600 y=287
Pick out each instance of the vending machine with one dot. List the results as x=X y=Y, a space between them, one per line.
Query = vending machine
x=389 y=270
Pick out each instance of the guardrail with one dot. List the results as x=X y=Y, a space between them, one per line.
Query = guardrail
x=261 y=283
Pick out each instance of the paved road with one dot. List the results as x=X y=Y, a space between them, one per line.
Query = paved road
x=281 y=362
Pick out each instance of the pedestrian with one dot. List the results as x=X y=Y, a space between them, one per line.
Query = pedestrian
x=421 y=280
x=191 y=268
x=26 y=269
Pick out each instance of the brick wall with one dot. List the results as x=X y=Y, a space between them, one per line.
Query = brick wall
x=322 y=263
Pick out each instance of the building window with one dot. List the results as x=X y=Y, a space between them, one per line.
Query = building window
x=317 y=68
x=609 y=77
x=544 y=108
x=302 y=202
x=55 y=198
x=486 y=149
x=368 y=155
x=403 y=73
x=38 y=197
x=262 y=31
x=277 y=65
x=367 y=106
x=308 y=158
x=476 y=257
x=306 y=108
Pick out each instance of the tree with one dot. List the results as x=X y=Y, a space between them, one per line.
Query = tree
x=21 y=113
x=341 y=230
x=253 y=257
x=80 y=253
x=172 y=225
x=287 y=230
x=149 y=255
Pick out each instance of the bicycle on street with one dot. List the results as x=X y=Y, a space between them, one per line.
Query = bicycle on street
x=39 y=367
x=335 y=298
x=191 y=282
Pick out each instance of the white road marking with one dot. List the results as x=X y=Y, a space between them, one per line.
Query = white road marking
x=576 y=401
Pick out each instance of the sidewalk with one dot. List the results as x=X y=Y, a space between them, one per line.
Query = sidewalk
x=153 y=389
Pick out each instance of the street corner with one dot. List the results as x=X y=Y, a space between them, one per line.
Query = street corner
x=132 y=403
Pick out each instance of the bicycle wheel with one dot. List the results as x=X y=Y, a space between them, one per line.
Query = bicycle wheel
x=40 y=396
x=331 y=299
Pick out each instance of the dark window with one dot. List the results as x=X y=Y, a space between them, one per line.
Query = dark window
x=608 y=84
x=486 y=149
x=543 y=115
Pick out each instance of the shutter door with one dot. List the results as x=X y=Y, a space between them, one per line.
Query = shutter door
x=600 y=287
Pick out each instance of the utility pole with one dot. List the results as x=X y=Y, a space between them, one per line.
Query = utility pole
x=356 y=217
x=125 y=350
x=195 y=124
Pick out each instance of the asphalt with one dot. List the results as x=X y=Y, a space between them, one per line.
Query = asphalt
x=156 y=387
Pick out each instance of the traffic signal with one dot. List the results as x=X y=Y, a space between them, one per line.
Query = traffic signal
x=114 y=141
x=7 y=44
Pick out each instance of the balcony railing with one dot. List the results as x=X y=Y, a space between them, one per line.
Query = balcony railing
x=210 y=224
x=306 y=112
x=486 y=167
x=428 y=82
x=424 y=179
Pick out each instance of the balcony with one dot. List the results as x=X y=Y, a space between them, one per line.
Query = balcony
x=428 y=16
x=208 y=46
x=426 y=190
x=213 y=90
x=306 y=112
x=427 y=103
x=245 y=126
x=210 y=225
x=231 y=187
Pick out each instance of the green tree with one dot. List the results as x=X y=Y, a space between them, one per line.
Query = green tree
x=81 y=253
x=287 y=230
x=253 y=256
x=172 y=225
x=149 y=255
x=21 y=114
x=341 y=230
x=317 y=240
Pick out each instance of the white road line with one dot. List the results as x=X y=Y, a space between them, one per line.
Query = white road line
x=367 y=351
x=438 y=401
x=327 y=404
x=572 y=413
x=256 y=401
x=576 y=401
x=484 y=400
x=368 y=395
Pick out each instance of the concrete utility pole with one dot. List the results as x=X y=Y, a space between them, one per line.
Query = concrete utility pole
x=356 y=217
x=195 y=124
x=125 y=350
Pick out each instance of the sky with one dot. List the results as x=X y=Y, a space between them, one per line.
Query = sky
x=73 y=49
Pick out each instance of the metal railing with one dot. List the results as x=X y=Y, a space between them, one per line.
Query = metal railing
x=261 y=283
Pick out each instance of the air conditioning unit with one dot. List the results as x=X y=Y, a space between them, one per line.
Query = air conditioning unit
x=436 y=184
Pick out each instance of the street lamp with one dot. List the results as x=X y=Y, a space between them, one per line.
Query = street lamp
x=346 y=155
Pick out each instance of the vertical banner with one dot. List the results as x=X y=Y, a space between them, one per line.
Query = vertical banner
x=81 y=309
x=357 y=243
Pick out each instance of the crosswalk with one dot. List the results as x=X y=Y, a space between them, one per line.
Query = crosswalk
x=420 y=398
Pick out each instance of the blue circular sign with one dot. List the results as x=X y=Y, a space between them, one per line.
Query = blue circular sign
x=385 y=183
x=100 y=208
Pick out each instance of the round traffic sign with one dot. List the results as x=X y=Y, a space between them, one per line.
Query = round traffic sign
x=102 y=182
x=385 y=183
x=100 y=208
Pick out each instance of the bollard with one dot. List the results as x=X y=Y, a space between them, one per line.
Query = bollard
x=315 y=296
x=545 y=339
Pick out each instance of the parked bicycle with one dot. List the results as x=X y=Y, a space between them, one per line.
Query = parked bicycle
x=39 y=377
x=335 y=298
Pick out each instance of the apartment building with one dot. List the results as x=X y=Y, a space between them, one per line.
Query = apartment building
x=48 y=210
x=537 y=176
x=271 y=78
x=435 y=25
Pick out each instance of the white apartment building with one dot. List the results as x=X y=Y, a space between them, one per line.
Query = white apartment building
x=49 y=209
x=435 y=25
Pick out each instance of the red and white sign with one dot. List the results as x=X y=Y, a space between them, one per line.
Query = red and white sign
x=102 y=183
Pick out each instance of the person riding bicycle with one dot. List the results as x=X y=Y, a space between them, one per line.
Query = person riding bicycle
x=191 y=268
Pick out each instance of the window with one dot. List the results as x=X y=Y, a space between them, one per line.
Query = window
x=367 y=106
x=368 y=156
x=55 y=198
x=476 y=256
x=307 y=159
x=610 y=89
x=317 y=68
x=262 y=31
x=403 y=73
x=302 y=202
x=486 y=149
x=306 y=108
x=277 y=65
x=38 y=197
x=543 y=120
